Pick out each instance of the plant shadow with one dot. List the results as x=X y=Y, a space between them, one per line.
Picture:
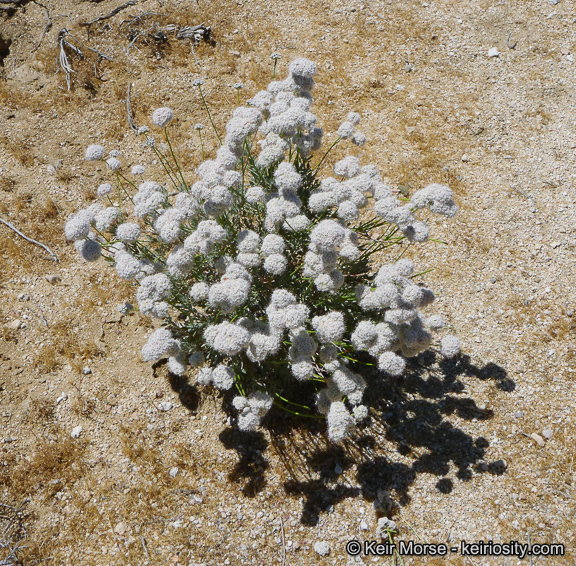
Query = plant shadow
x=410 y=432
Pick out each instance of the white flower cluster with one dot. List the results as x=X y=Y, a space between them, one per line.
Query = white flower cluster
x=250 y=268
x=347 y=129
x=252 y=409
x=285 y=106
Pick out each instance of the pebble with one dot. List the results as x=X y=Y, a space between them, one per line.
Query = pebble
x=519 y=414
x=338 y=469
x=173 y=472
x=62 y=397
x=165 y=406
x=15 y=324
x=363 y=525
x=493 y=52
x=554 y=2
x=76 y=431
x=23 y=297
x=120 y=529
x=465 y=158
x=86 y=371
x=53 y=279
x=322 y=548
x=547 y=433
x=538 y=439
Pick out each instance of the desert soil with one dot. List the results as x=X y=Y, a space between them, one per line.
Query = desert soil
x=477 y=449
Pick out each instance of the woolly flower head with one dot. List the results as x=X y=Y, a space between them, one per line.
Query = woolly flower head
x=353 y=118
x=340 y=422
x=199 y=291
x=77 y=227
x=113 y=163
x=391 y=363
x=327 y=235
x=223 y=377
x=138 y=170
x=94 y=152
x=450 y=346
x=162 y=117
x=330 y=327
x=346 y=130
x=302 y=68
x=104 y=189
x=255 y=195
x=347 y=167
x=160 y=343
x=226 y=338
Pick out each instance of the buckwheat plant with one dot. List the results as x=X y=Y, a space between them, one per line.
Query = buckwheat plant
x=261 y=272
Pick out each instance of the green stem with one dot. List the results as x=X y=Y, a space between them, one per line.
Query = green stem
x=326 y=154
x=209 y=115
x=202 y=145
x=184 y=185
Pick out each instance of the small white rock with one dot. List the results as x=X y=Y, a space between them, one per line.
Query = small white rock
x=363 y=525
x=547 y=433
x=76 y=431
x=538 y=439
x=465 y=158
x=86 y=371
x=15 y=324
x=493 y=52
x=165 y=406
x=174 y=472
x=62 y=397
x=322 y=548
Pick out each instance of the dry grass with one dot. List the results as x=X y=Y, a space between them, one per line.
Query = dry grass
x=62 y=346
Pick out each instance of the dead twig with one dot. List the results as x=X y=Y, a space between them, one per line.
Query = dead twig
x=110 y=15
x=130 y=121
x=47 y=27
x=135 y=38
x=143 y=15
x=65 y=64
x=145 y=549
x=12 y=227
x=64 y=58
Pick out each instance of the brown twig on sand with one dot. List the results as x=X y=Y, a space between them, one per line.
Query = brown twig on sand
x=12 y=227
x=110 y=15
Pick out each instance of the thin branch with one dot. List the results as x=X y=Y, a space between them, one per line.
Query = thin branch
x=47 y=27
x=12 y=227
x=130 y=22
x=110 y=15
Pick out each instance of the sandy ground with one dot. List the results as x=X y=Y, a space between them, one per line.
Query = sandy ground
x=477 y=449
